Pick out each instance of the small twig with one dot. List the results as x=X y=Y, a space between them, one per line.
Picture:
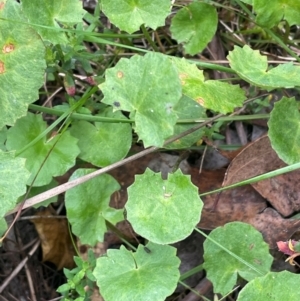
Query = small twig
x=52 y=96
x=202 y=288
x=66 y=186
x=19 y=267
x=39 y=217
x=202 y=159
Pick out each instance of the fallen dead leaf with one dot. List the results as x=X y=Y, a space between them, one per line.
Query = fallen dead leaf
x=243 y=204
x=55 y=239
x=258 y=158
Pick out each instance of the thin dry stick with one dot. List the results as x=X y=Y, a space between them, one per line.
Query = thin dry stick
x=52 y=96
x=64 y=187
x=19 y=267
x=202 y=159
x=202 y=288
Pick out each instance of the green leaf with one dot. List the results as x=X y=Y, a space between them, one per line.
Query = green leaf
x=3 y=227
x=134 y=276
x=129 y=15
x=244 y=241
x=270 y=13
x=272 y=287
x=3 y=134
x=100 y=144
x=252 y=67
x=163 y=211
x=187 y=108
x=148 y=87
x=52 y=13
x=88 y=206
x=62 y=155
x=211 y=94
x=194 y=26
x=284 y=130
x=13 y=178
x=22 y=64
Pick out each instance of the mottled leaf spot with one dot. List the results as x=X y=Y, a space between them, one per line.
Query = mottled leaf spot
x=2 y=4
x=2 y=67
x=120 y=74
x=183 y=77
x=116 y=104
x=8 y=48
x=200 y=101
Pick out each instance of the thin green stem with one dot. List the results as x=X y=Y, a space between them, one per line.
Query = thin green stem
x=92 y=118
x=265 y=176
x=191 y=272
x=77 y=116
x=66 y=114
x=231 y=253
x=148 y=38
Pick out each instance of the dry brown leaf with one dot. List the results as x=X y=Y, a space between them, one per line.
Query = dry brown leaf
x=258 y=158
x=55 y=240
x=243 y=204
x=246 y=205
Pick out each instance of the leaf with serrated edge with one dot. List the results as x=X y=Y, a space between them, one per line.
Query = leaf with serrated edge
x=149 y=88
x=22 y=65
x=163 y=211
x=270 y=13
x=62 y=154
x=129 y=15
x=187 y=108
x=141 y=275
x=273 y=286
x=244 y=241
x=211 y=94
x=194 y=26
x=107 y=147
x=52 y=14
x=253 y=68
x=13 y=178
x=88 y=206
x=284 y=129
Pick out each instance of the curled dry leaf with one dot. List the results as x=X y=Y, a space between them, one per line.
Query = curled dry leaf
x=55 y=239
x=248 y=205
x=259 y=158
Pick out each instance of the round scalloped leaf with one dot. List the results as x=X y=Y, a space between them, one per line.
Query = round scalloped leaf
x=107 y=147
x=141 y=275
x=62 y=156
x=187 y=108
x=22 y=65
x=52 y=13
x=272 y=287
x=242 y=240
x=270 y=13
x=163 y=211
x=194 y=26
x=13 y=178
x=129 y=15
x=211 y=94
x=284 y=129
x=252 y=67
x=88 y=206
x=148 y=87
